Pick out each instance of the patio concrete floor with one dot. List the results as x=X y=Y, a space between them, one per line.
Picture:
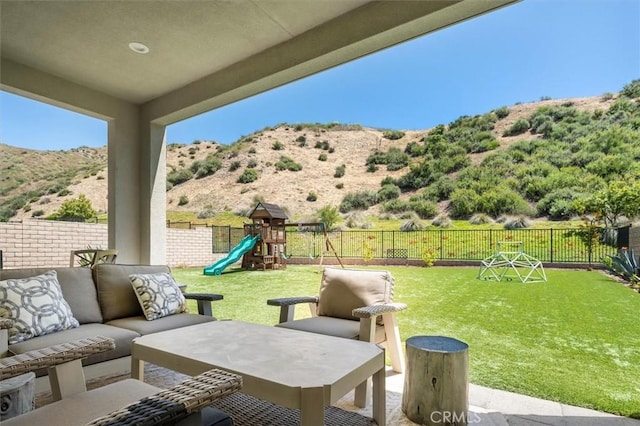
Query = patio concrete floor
x=491 y=407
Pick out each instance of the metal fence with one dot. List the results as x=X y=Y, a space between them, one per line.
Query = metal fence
x=548 y=245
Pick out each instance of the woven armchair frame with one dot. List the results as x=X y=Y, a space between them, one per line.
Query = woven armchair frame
x=175 y=403
x=53 y=355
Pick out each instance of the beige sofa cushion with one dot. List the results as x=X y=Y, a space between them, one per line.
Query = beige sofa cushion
x=343 y=290
x=77 y=288
x=141 y=326
x=121 y=336
x=81 y=408
x=330 y=326
x=115 y=294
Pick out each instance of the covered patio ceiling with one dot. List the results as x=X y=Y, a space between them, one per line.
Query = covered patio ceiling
x=202 y=55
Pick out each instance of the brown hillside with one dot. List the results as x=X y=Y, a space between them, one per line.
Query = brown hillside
x=285 y=188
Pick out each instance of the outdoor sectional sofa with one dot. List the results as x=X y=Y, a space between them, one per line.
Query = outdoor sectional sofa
x=104 y=303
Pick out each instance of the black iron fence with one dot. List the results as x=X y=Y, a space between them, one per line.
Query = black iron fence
x=547 y=245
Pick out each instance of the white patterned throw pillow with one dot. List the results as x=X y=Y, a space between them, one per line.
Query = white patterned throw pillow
x=36 y=306
x=158 y=294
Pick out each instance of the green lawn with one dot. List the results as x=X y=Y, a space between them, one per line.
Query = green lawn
x=574 y=339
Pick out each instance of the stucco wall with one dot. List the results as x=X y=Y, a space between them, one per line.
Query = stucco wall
x=32 y=243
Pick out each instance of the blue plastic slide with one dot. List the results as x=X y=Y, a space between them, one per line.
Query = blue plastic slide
x=234 y=255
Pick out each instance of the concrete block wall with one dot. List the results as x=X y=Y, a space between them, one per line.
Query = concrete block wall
x=189 y=247
x=634 y=239
x=33 y=243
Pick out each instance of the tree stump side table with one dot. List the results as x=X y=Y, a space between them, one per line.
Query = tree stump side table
x=436 y=386
x=17 y=395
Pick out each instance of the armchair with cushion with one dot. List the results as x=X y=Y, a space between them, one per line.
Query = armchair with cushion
x=125 y=402
x=354 y=304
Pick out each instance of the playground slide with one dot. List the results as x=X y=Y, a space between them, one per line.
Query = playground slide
x=234 y=255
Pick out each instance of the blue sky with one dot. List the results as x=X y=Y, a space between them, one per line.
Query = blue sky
x=536 y=48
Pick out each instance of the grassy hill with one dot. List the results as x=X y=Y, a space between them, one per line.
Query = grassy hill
x=534 y=159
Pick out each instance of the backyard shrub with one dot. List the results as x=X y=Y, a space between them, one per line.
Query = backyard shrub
x=37 y=213
x=207 y=212
x=442 y=221
x=235 y=165
x=339 y=185
x=372 y=168
x=424 y=208
x=248 y=176
x=64 y=192
x=519 y=222
x=183 y=200
x=340 y=170
x=312 y=196
x=252 y=164
x=322 y=157
x=252 y=150
x=277 y=146
x=413 y=224
x=302 y=141
x=631 y=90
x=440 y=190
x=357 y=220
x=480 y=219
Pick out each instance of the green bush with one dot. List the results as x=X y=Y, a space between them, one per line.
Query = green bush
x=424 y=208
x=388 y=192
x=248 y=176
x=463 y=204
x=64 y=192
x=286 y=163
x=183 y=200
x=501 y=112
x=312 y=196
x=252 y=150
x=631 y=90
x=357 y=201
x=75 y=210
x=207 y=212
x=396 y=159
x=393 y=134
x=252 y=164
x=176 y=177
x=480 y=219
x=414 y=149
x=372 y=168
x=235 y=165
x=322 y=157
x=37 y=213
x=277 y=146
x=517 y=128
x=329 y=216
x=442 y=221
x=339 y=185
x=519 y=222
x=340 y=171
x=302 y=141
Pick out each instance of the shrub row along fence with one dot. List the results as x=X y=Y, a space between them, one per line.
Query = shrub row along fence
x=547 y=245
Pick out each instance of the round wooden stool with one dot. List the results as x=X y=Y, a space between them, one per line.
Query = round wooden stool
x=436 y=387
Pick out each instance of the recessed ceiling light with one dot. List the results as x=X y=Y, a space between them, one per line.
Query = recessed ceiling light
x=138 y=47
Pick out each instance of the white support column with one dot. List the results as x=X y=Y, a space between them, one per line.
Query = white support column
x=153 y=200
x=124 y=195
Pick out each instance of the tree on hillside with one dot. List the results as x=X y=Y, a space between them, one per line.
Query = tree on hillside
x=620 y=198
x=75 y=210
x=329 y=216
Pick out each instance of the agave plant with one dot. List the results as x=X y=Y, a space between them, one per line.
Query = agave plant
x=625 y=265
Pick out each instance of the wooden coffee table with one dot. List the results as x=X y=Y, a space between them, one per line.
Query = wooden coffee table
x=292 y=368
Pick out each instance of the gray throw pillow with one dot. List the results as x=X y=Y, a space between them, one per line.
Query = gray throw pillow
x=36 y=306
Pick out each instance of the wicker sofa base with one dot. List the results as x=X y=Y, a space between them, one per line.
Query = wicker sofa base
x=249 y=411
